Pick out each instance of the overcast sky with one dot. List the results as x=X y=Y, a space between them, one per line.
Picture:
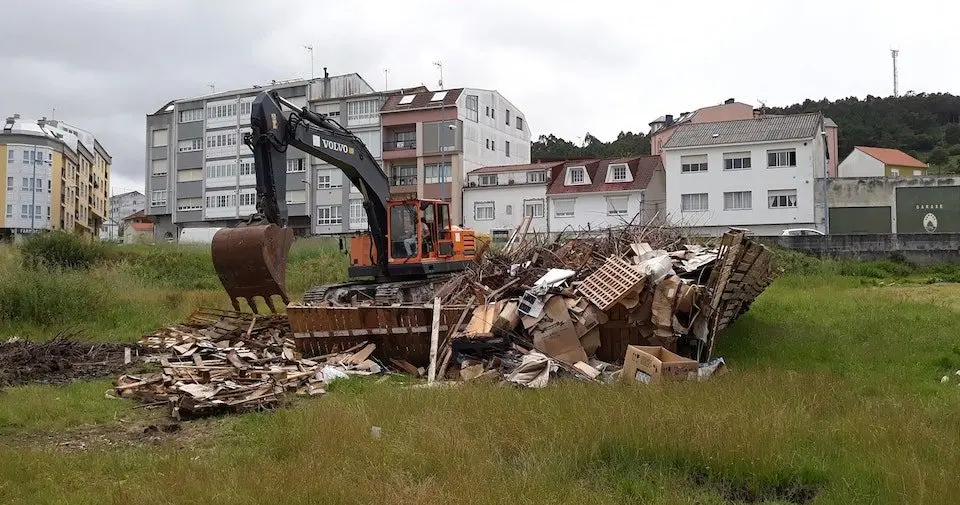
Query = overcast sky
x=571 y=67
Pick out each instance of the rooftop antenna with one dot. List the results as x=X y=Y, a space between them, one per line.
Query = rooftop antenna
x=893 y=54
x=213 y=89
x=439 y=65
x=309 y=48
x=763 y=105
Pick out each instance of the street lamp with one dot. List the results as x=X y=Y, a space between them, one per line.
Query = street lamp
x=309 y=48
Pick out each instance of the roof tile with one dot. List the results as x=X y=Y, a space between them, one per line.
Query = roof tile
x=515 y=168
x=892 y=157
x=762 y=129
x=641 y=167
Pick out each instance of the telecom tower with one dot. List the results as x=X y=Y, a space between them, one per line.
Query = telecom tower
x=893 y=54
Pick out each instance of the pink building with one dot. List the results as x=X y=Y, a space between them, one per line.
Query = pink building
x=662 y=128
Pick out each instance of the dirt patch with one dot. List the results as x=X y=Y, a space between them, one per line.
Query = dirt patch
x=60 y=360
x=119 y=435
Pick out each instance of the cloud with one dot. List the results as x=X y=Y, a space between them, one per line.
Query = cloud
x=571 y=67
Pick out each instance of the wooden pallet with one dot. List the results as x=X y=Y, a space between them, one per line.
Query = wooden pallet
x=611 y=283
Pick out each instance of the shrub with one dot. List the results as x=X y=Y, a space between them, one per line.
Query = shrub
x=58 y=249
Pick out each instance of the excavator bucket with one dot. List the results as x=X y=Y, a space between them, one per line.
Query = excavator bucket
x=251 y=261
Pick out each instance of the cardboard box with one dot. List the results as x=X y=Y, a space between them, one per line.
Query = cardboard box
x=648 y=364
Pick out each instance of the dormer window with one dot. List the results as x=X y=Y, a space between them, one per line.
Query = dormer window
x=618 y=172
x=577 y=176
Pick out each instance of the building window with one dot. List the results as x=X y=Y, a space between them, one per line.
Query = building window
x=9 y=183
x=246 y=166
x=159 y=167
x=780 y=198
x=617 y=172
x=221 y=111
x=9 y=210
x=222 y=200
x=487 y=112
x=493 y=113
x=295 y=165
x=436 y=173
x=563 y=207
x=223 y=169
x=160 y=138
x=493 y=145
x=508 y=117
x=25 y=211
x=407 y=99
x=246 y=107
x=507 y=148
x=187 y=204
x=158 y=198
x=248 y=199
x=38 y=186
x=10 y=155
x=191 y=175
x=483 y=211
x=782 y=158
x=404 y=175
x=26 y=184
x=187 y=116
x=329 y=215
x=694 y=202
x=737 y=200
x=296 y=196
x=616 y=205
x=508 y=210
x=363 y=113
x=189 y=145
x=473 y=107
x=49 y=186
x=488 y=144
x=26 y=157
x=689 y=164
x=358 y=216
x=538 y=176
x=533 y=208
x=329 y=178
x=488 y=180
x=736 y=161
x=519 y=123
x=895 y=172
x=577 y=175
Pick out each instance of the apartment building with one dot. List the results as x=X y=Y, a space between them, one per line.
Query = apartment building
x=758 y=173
x=602 y=193
x=433 y=139
x=120 y=207
x=497 y=199
x=56 y=177
x=662 y=128
x=200 y=174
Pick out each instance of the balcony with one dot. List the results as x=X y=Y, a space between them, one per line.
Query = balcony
x=403 y=184
x=399 y=145
x=399 y=148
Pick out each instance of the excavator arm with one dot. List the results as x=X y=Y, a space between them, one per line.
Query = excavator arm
x=250 y=259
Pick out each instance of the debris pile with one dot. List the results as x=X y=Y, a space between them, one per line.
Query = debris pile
x=60 y=360
x=222 y=361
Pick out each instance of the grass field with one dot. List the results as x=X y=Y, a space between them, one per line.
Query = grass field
x=833 y=396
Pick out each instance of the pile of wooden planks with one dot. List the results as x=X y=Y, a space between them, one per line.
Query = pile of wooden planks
x=221 y=361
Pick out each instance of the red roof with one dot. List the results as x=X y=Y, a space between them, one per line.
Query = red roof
x=421 y=101
x=641 y=167
x=894 y=157
x=515 y=168
x=142 y=226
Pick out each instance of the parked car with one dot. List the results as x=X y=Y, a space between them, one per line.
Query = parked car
x=800 y=231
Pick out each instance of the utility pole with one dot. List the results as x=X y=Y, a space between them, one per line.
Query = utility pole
x=309 y=49
x=893 y=54
x=386 y=86
x=440 y=126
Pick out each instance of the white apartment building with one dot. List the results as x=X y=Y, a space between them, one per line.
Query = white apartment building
x=760 y=174
x=603 y=193
x=121 y=206
x=497 y=199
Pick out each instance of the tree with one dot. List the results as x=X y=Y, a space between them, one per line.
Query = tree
x=951 y=134
x=938 y=157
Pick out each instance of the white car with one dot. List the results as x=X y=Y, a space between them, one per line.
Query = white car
x=800 y=231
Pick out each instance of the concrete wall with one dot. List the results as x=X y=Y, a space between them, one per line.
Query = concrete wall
x=847 y=192
x=921 y=249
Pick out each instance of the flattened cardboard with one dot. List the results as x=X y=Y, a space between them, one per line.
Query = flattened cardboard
x=654 y=364
x=663 y=299
x=590 y=341
x=555 y=334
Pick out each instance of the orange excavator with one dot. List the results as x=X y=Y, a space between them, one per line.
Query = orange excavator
x=411 y=246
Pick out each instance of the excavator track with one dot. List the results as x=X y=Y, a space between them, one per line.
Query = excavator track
x=380 y=293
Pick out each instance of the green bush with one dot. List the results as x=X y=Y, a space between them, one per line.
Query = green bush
x=58 y=249
x=180 y=268
x=46 y=297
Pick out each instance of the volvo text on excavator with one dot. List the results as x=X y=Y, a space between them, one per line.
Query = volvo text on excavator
x=411 y=245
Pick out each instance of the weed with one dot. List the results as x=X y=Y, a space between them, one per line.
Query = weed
x=59 y=249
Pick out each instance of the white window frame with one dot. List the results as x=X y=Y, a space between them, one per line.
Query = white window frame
x=472 y=105
x=296 y=196
x=158 y=198
x=247 y=199
x=9 y=210
x=9 y=183
x=572 y=176
x=190 y=145
x=693 y=164
x=558 y=205
x=612 y=208
x=537 y=176
x=782 y=158
x=159 y=138
x=687 y=201
x=363 y=112
x=732 y=160
x=437 y=173
x=737 y=200
x=619 y=172
x=489 y=209
x=188 y=204
x=487 y=180
x=296 y=165
x=326 y=178
x=895 y=172
x=358 y=216
x=782 y=199
x=329 y=215
x=190 y=175
x=534 y=208
x=191 y=115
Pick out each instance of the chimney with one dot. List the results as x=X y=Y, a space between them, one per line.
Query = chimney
x=668 y=120
x=325 y=74
x=729 y=101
